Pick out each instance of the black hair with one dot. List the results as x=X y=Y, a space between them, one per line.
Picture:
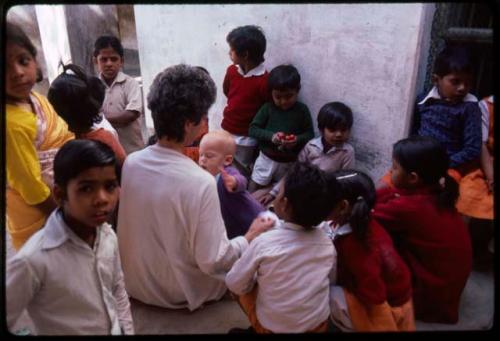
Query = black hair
x=77 y=156
x=453 y=59
x=108 y=41
x=428 y=159
x=15 y=35
x=335 y=115
x=284 y=77
x=307 y=192
x=249 y=38
x=77 y=98
x=178 y=94
x=358 y=189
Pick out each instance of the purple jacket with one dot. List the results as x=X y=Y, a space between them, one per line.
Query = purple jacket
x=238 y=208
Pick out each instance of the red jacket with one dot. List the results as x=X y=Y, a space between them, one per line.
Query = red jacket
x=436 y=246
x=375 y=274
x=245 y=96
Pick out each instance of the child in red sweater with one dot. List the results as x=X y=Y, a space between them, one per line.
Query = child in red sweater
x=428 y=231
x=245 y=86
x=373 y=284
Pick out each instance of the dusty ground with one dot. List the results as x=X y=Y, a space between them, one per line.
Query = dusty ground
x=476 y=313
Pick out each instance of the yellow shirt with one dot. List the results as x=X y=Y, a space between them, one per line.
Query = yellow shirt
x=27 y=135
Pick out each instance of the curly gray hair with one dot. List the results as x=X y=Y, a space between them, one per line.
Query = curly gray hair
x=178 y=94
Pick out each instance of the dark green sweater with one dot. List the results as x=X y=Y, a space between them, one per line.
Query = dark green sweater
x=270 y=120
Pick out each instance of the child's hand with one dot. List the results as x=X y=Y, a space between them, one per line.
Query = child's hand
x=266 y=199
x=259 y=225
x=278 y=138
x=229 y=181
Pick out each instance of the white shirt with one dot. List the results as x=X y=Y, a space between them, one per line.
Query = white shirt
x=104 y=124
x=336 y=158
x=125 y=94
x=332 y=232
x=67 y=287
x=173 y=242
x=291 y=266
x=259 y=70
x=485 y=117
x=434 y=93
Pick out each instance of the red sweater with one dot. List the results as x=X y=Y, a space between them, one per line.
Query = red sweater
x=374 y=274
x=108 y=138
x=436 y=246
x=245 y=96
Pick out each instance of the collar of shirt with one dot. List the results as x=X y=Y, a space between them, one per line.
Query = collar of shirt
x=289 y=226
x=434 y=93
x=490 y=99
x=259 y=70
x=338 y=231
x=317 y=142
x=120 y=77
x=57 y=232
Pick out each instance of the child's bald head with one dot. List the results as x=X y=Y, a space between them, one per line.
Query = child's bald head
x=217 y=149
x=223 y=141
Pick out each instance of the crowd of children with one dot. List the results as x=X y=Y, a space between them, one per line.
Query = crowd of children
x=337 y=252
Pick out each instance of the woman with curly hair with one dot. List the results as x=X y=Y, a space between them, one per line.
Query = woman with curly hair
x=169 y=208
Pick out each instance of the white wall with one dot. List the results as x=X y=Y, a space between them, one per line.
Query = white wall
x=54 y=35
x=365 y=55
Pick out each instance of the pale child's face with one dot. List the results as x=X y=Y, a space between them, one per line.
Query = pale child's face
x=109 y=63
x=284 y=99
x=336 y=137
x=20 y=75
x=91 y=197
x=212 y=155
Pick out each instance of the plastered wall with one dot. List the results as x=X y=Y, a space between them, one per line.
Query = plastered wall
x=365 y=55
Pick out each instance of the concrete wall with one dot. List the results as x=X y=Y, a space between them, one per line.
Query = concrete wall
x=365 y=55
x=25 y=17
x=54 y=35
x=87 y=22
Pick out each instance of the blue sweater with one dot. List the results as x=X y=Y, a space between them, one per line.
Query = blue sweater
x=457 y=126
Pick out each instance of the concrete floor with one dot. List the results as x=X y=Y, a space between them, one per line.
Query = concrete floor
x=476 y=313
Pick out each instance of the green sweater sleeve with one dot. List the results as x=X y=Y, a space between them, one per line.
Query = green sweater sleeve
x=260 y=120
x=308 y=131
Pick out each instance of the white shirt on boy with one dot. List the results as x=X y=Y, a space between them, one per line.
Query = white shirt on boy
x=67 y=287
x=291 y=266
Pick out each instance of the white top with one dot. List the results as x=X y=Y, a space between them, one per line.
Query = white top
x=259 y=70
x=485 y=117
x=125 y=94
x=434 y=93
x=173 y=242
x=291 y=266
x=67 y=287
x=104 y=124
